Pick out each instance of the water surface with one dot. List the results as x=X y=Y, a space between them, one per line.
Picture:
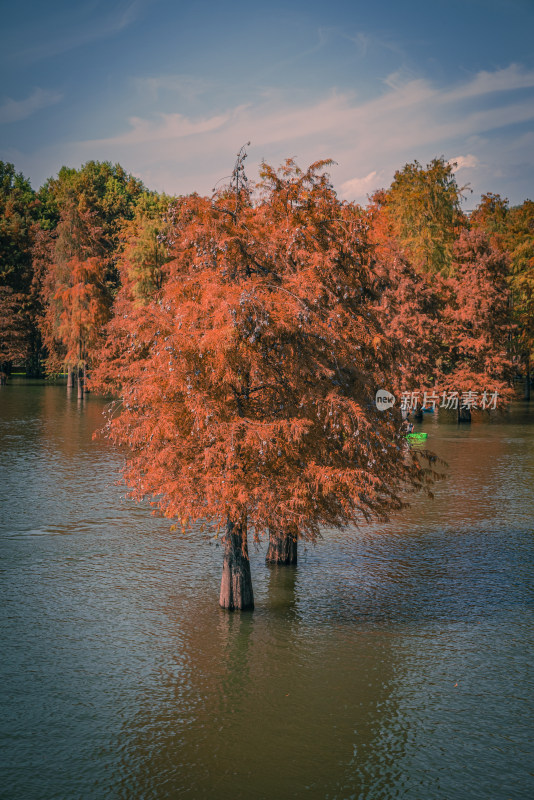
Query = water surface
x=392 y=662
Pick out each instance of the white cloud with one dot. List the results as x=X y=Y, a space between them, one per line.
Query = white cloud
x=359 y=188
x=15 y=110
x=464 y=162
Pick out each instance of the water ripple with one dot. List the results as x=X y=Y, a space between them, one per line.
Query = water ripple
x=392 y=662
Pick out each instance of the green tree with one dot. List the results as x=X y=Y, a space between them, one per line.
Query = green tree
x=423 y=211
x=83 y=211
x=19 y=302
x=143 y=251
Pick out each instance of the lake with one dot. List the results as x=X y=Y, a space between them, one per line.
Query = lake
x=392 y=662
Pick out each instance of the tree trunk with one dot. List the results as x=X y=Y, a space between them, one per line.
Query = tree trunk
x=527 y=379
x=34 y=367
x=236 y=583
x=418 y=415
x=464 y=414
x=70 y=378
x=5 y=370
x=282 y=549
x=85 y=377
x=80 y=383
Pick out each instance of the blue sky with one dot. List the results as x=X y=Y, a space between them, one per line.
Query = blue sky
x=171 y=90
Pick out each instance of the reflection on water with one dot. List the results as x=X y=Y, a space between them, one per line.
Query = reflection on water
x=392 y=662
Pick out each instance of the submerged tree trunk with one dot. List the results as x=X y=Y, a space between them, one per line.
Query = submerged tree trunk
x=464 y=414
x=80 y=383
x=5 y=371
x=282 y=549
x=236 y=583
x=34 y=367
x=527 y=379
x=70 y=378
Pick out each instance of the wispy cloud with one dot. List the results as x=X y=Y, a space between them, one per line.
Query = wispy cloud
x=412 y=118
x=362 y=42
x=484 y=83
x=324 y=35
x=15 y=110
x=166 y=127
x=127 y=15
x=187 y=86
x=84 y=27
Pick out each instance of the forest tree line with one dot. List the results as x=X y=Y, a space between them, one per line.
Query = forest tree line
x=243 y=336
x=68 y=248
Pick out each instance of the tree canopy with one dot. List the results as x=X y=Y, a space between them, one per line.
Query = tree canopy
x=422 y=207
x=247 y=383
x=18 y=301
x=243 y=337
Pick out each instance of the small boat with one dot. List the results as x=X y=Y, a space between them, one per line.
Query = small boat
x=417 y=436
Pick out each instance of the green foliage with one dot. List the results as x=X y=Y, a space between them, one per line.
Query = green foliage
x=104 y=192
x=144 y=252
x=491 y=216
x=423 y=208
x=84 y=210
x=17 y=212
x=18 y=302
x=511 y=230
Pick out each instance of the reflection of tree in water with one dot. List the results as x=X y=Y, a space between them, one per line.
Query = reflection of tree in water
x=282 y=589
x=260 y=705
x=53 y=470
x=313 y=695
x=68 y=426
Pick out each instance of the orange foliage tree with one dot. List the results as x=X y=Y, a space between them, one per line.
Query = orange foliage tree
x=74 y=296
x=477 y=319
x=447 y=313
x=13 y=331
x=247 y=383
x=83 y=211
x=511 y=231
x=84 y=312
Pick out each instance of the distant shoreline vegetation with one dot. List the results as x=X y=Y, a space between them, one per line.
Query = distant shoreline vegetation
x=68 y=248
